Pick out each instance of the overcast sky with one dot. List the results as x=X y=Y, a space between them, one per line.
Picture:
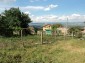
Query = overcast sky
x=48 y=10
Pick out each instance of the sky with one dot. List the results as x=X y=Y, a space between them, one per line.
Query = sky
x=48 y=10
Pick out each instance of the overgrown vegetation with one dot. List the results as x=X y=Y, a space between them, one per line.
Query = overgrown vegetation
x=55 y=48
x=30 y=50
x=54 y=28
x=75 y=31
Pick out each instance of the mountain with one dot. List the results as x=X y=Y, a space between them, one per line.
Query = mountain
x=41 y=24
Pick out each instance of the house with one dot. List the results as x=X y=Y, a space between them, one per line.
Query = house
x=63 y=30
x=48 y=32
x=38 y=32
x=83 y=31
x=47 y=27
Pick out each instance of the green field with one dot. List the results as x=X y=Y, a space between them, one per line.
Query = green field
x=30 y=50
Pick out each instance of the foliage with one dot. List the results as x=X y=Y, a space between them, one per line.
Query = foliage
x=12 y=19
x=7 y=58
x=78 y=35
x=76 y=31
x=55 y=26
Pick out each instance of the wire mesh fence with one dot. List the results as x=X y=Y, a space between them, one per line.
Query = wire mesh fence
x=41 y=37
x=37 y=48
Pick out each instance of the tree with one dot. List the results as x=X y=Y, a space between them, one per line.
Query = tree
x=55 y=26
x=75 y=31
x=12 y=19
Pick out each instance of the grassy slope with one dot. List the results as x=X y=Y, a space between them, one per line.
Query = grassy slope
x=61 y=51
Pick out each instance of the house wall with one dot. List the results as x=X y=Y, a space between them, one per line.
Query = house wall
x=48 y=27
x=83 y=32
x=63 y=30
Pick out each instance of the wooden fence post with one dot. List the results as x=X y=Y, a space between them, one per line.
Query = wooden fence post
x=72 y=35
x=21 y=34
x=65 y=36
x=55 y=34
x=42 y=37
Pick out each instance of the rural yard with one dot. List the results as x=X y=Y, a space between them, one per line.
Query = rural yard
x=42 y=31
x=30 y=50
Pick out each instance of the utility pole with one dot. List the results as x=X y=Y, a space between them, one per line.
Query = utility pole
x=66 y=28
x=67 y=23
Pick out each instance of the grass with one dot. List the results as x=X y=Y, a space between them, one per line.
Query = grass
x=30 y=50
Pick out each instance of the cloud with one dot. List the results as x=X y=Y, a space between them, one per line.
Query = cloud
x=7 y=1
x=2 y=9
x=45 y=18
x=45 y=8
x=27 y=12
x=5 y=4
x=36 y=0
x=72 y=17
x=33 y=0
x=50 y=7
x=55 y=18
x=27 y=8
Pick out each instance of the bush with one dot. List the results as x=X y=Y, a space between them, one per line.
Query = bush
x=79 y=35
x=5 y=58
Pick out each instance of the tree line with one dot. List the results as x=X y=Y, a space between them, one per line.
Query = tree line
x=13 y=19
x=75 y=31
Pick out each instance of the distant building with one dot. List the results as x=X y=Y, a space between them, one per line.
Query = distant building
x=48 y=32
x=63 y=30
x=32 y=30
x=83 y=31
x=47 y=27
x=38 y=32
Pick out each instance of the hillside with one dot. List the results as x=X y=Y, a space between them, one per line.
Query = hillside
x=41 y=24
x=60 y=51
